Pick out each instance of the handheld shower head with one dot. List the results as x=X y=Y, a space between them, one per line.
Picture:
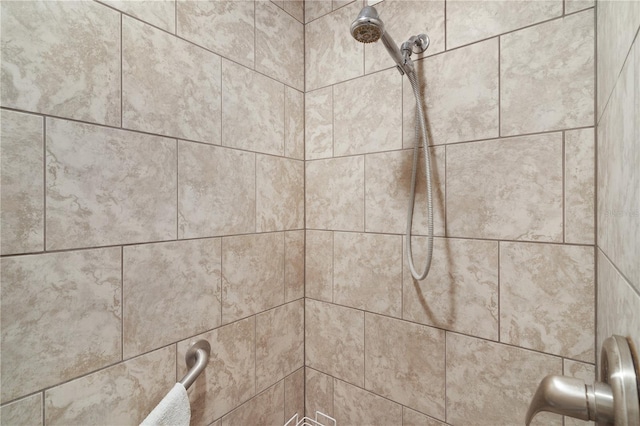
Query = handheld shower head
x=368 y=27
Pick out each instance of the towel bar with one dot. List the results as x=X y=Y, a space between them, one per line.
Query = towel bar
x=197 y=357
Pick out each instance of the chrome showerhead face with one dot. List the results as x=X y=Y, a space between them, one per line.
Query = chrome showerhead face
x=367 y=28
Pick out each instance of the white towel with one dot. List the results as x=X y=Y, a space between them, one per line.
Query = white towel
x=173 y=410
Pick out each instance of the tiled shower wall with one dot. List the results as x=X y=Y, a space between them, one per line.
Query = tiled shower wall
x=152 y=193
x=510 y=96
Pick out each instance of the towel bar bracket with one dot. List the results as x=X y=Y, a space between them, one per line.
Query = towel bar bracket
x=197 y=357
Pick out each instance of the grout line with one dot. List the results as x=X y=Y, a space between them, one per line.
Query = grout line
x=255 y=30
x=564 y=189
x=445 y=378
x=175 y=16
x=255 y=354
x=122 y=303
x=445 y=25
x=42 y=401
x=499 y=294
x=596 y=282
x=615 y=267
x=177 y=189
x=499 y=88
x=121 y=75
x=44 y=179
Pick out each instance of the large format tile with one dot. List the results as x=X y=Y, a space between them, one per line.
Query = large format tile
x=22 y=178
x=318 y=123
x=319 y=265
x=107 y=186
x=171 y=290
x=506 y=189
x=294 y=123
x=62 y=58
x=216 y=191
x=414 y=418
x=27 y=411
x=405 y=363
x=355 y=406
x=295 y=8
x=579 y=181
x=279 y=194
x=547 y=76
x=265 y=409
x=294 y=394
x=68 y=306
x=318 y=393
x=294 y=265
x=571 y=6
x=107 y=394
x=169 y=86
x=314 y=9
x=161 y=13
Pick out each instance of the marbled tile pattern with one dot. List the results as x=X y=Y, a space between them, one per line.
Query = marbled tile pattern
x=571 y=6
x=318 y=123
x=216 y=191
x=169 y=86
x=294 y=123
x=355 y=406
x=579 y=193
x=547 y=76
x=253 y=274
x=318 y=392
x=335 y=194
x=107 y=394
x=414 y=418
x=294 y=265
x=279 y=193
x=405 y=363
x=82 y=83
x=225 y=27
x=68 y=303
x=334 y=339
x=295 y=8
x=265 y=409
x=460 y=89
x=253 y=113
x=368 y=272
x=506 y=188
x=294 y=394
x=280 y=47
x=314 y=9
x=27 y=411
x=22 y=179
x=161 y=13
x=319 y=265
x=367 y=114
x=170 y=290
x=461 y=291
x=107 y=186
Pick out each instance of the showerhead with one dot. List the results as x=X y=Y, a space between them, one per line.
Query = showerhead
x=368 y=27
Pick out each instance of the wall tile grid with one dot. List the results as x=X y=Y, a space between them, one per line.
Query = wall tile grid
x=509 y=91
x=152 y=193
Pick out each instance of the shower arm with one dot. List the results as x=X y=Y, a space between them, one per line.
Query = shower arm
x=404 y=65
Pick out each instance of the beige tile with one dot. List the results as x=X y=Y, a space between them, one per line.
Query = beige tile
x=319 y=265
x=67 y=304
x=107 y=394
x=253 y=110
x=424 y=17
x=368 y=272
x=318 y=123
x=506 y=189
x=294 y=123
x=414 y=418
x=334 y=340
x=252 y=274
x=294 y=265
x=26 y=412
x=460 y=89
x=579 y=192
x=229 y=379
x=502 y=380
x=579 y=370
x=294 y=395
x=280 y=47
x=405 y=363
x=547 y=76
x=368 y=114
x=461 y=291
x=318 y=393
x=571 y=6
x=279 y=193
x=388 y=189
x=216 y=191
x=171 y=290
x=331 y=54
x=169 y=86
x=295 y=9
x=335 y=194
x=356 y=406
x=107 y=186
x=314 y=9
x=337 y=4
x=265 y=409
x=279 y=343
x=84 y=82
x=547 y=298
x=161 y=13
x=22 y=195
x=469 y=21
x=225 y=27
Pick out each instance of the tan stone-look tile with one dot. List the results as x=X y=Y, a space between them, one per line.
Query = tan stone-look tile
x=252 y=274
x=318 y=123
x=26 y=411
x=216 y=191
x=502 y=380
x=388 y=189
x=22 y=178
x=67 y=304
x=161 y=13
x=460 y=292
x=171 y=290
x=571 y=6
x=82 y=83
x=279 y=193
x=169 y=86
x=106 y=396
x=335 y=194
x=414 y=418
x=314 y=9
x=108 y=186
x=356 y=406
x=295 y=8
x=579 y=370
x=253 y=110
x=337 y=4
x=266 y=408
x=460 y=89
x=368 y=272
x=579 y=193
x=547 y=76
x=331 y=54
x=547 y=298
x=280 y=47
x=294 y=123
x=225 y=27
x=318 y=393
x=319 y=265
x=334 y=340
x=294 y=265
x=367 y=114
x=279 y=343
x=506 y=188
x=405 y=363
x=229 y=379
x=294 y=394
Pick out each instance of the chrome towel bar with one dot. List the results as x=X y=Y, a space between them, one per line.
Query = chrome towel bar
x=197 y=357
